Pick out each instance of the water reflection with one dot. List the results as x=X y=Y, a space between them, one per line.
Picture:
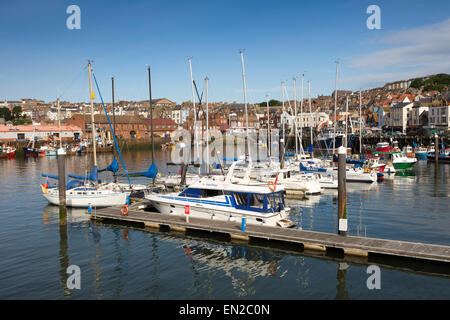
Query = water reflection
x=341 y=294
x=241 y=265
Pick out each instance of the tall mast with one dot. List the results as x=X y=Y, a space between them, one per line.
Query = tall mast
x=283 y=115
x=244 y=83
x=193 y=104
x=151 y=111
x=301 y=116
x=335 y=107
x=346 y=121
x=295 y=116
x=59 y=123
x=310 y=112
x=113 y=111
x=360 y=122
x=193 y=93
x=268 y=126
x=207 y=125
x=91 y=96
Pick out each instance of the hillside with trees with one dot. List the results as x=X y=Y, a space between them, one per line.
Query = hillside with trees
x=437 y=82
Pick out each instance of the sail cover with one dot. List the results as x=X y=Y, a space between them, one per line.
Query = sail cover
x=52 y=176
x=93 y=176
x=150 y=173
x=113 y=167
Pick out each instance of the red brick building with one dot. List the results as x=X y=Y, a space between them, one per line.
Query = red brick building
x=127 y=127
x=162 y=127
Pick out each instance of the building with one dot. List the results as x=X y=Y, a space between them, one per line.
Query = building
x=127 y=127
x=418 y=117
x=439 y=117
x=162 y=127
x=402 y=84
x=398 y=116
x=315 y=119
x=30 y=132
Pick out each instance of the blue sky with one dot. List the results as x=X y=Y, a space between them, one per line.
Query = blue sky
x=41 y=58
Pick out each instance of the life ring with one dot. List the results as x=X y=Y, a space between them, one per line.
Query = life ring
x=124 y=210
x=273 y=185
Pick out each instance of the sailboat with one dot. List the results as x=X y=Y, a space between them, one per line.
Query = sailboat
x=88 y=191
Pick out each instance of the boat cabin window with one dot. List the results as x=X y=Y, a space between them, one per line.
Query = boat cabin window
x=273 y=202
x=201 y=193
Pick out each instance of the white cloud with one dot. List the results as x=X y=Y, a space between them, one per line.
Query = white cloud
x=410 y=53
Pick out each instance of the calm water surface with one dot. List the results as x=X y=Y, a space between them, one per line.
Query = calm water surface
x=124 y=262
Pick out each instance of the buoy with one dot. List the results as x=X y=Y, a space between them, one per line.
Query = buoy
x=273 y=185
x=124 y=210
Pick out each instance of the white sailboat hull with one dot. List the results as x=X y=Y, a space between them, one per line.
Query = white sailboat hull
x=84 y=201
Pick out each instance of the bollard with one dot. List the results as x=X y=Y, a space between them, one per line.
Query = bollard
x=62 y=177
x=243 y=224
x=186 y=212
x=436 y=148
x=342 y=197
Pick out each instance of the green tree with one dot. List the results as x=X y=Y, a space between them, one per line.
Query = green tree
x=272 y=103
x=16 y=112
x=417 y=83
x=5 y=113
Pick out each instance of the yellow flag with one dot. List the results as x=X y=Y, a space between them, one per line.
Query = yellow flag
x=93 y=95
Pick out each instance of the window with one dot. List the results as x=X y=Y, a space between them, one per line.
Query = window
x=211 y=193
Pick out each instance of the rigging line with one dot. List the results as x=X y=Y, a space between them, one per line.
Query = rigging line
x=110 y=126
x=72 y=81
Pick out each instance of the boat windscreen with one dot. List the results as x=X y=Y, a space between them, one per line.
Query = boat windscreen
x=272 y=202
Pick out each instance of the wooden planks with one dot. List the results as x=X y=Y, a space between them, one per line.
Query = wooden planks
x=310 y=239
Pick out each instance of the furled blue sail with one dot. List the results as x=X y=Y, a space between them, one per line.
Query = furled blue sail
x=73 y=184
x=113 y=167
x=52 y=176
x=150 y=173
x=93 y=176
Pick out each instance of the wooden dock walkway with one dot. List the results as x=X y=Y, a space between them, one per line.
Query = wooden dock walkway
x=310 y=240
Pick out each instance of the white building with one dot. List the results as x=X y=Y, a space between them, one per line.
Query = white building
x=315 y=119
x=398 y=116
x=439 y=117
x=415 y=115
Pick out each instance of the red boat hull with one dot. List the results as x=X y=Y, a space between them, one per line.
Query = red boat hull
x=11 y=155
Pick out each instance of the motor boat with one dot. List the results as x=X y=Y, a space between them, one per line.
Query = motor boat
x=215 y=198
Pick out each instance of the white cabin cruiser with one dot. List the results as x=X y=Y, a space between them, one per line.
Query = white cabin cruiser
x=294 y=181
x=215 y=198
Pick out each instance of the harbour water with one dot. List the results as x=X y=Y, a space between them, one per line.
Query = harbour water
x=125 y=262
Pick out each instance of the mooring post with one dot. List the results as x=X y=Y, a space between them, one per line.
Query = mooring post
x=243 y=224
x=187 y=212
x=436 y=148
x=342 y=197
x=62 y=179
